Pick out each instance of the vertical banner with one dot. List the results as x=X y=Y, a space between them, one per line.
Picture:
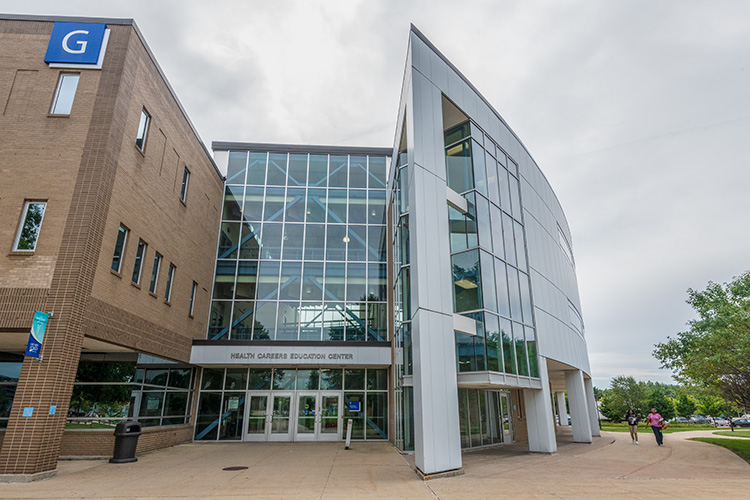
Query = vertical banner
x=37 y=334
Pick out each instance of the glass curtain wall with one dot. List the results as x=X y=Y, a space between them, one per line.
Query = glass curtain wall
x=221 y=404
x=301 y=252
x=488 y=256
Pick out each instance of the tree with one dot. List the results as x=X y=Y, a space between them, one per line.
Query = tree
x=624 y=394
x=658 y=399
x=715 y=351
x=685 y=406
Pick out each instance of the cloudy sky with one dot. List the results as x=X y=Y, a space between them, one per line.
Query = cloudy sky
x=638 y=112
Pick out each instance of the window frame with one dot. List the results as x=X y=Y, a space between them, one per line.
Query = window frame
x=22 y=223
x=139 y=261
x=155 y=270
x=170 y=283
x=185 y=184
x=145 y=128
x=56 y=98
x=193 y=293
x=121 y=257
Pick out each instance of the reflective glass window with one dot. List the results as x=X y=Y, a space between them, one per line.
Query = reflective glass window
x=335 y=242
x=493 y=341
x=356 y=284
x=28 y=232
x=459 y=167
x=316 y=205
x=236 y=167
x=337 y=171
x=357 y=171
x=247 y=277
x=510 y=244
x=274 y=205
x=377 y=416
x=377 y=282
x=515 y=197
x=523 y=281
x=291 y=279
x=488 y=281
x=502 y=176
x=229 y=238
x=264 y=325
x=520 y=250
x=318 y=171
x=138 y=265
x=334 y=321
x=65 y=93
x=233 y=196
x=287 y=321
x=492 y=181
x=357 y=206
x=337 y=202
x=284 y=379
x=212 y=380
x=331 y=379
x=295 y=205
x=466 y=281
x=311 y=321
x=357 y=244
x=224 y=279
x=457 y=224
x=377 y=171
x=520 y=344
x=312 y=283
x=259 y=379
x=457 y=133
x=235 y=379
x=376 y=207
x=253 y=209
x=268 y=279
x=250 y=241
x=480 y=174
x=292 y=241
x=334 y=281
x=509 y=356
x=277 y=164
x=483 y=223
x=531 y=351
x=514 y=294
x=256 y=169
x=141 y=136
x=242 y=321
x=315 y=240
x=354 y=380
x=355 y=313
x=308 y=380
x=465 y=353
x=501 y=286
x=297 y=169
x=271 y=239
x=218 y=323
x=377 y=321
x=376 y=244
x=122 y=238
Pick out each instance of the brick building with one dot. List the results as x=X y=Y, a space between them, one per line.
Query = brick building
x=108 y=210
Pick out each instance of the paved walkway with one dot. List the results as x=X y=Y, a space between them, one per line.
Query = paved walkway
x=610 y=468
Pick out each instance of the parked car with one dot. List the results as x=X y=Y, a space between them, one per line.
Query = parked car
x=741 y=422
x=679 y=420
x=699 y=419
x=721 y=422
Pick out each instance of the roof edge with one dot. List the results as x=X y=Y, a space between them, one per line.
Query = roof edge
x=299 y=148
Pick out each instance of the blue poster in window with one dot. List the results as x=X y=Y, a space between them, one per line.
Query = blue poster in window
x=353 y=406
x=36 y=336
x=75 y=43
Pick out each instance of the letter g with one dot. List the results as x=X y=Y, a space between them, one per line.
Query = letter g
x=81 y=44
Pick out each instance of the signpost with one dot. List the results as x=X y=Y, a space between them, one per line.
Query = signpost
x=36 y=336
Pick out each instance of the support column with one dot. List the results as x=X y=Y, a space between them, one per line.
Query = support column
x=562 y=409
x=593 y=409
x=540 y=421
x=579 y=412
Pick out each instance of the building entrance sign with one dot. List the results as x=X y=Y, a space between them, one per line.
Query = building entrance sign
x=291 y=355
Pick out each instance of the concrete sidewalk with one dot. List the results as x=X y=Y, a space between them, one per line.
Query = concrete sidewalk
x=611 y=467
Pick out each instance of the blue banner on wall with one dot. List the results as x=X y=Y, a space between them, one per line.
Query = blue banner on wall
x=37 y=334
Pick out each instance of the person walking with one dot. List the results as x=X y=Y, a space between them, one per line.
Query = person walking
x=657 y=422
x=632 y=420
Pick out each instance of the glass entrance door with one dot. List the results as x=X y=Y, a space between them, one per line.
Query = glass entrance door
x=257 y=417
x=318 y=416
x=507 y=419
x=280 y=417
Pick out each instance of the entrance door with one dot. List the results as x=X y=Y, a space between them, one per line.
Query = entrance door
x=280 y=417
x=318 y=416
x=507 y=419
x=258 y=416
x=329 y=421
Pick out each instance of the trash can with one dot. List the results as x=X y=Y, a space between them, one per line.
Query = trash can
x=126 y=439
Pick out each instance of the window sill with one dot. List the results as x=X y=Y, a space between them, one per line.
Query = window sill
x=51 y=115
x=142 y=151
x=115 y=273
x=183 y=202
x=152 y=294
x=137 y=285
x=167 y=303
x=21 y=253
x=191 y=316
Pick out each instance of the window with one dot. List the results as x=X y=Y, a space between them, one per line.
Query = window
x=170 y=279
x=31 y=223
x=122 y=238
x=140 y=140
x=65 y=93
x=138 y=266
x=185 y=179
x=192 y=298
x=155 y=273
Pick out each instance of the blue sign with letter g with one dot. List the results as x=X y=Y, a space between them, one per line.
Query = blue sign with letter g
x=75 y=43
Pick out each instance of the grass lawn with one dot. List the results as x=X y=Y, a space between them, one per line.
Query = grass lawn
x=623 y=427
x=739 y=446
x=739 y=434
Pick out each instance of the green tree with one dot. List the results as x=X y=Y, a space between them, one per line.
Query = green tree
x=685 y=406
x=624 y=394
x=658 y=399
x=713 y=406
x=715 y=351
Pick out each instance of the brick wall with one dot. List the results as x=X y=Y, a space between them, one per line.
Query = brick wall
x=100 y=443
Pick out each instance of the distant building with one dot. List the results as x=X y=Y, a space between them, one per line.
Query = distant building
x=426 y=291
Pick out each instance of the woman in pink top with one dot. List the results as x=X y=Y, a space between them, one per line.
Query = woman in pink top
x=656 y=422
